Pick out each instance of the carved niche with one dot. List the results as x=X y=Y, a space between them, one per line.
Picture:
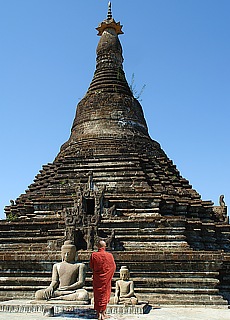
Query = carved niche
x=82 y=219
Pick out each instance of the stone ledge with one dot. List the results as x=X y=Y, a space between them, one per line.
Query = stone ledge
x=65 y=307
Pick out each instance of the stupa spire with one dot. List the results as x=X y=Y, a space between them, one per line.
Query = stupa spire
x=109 y=23
x=109 y=15
x=109 y=116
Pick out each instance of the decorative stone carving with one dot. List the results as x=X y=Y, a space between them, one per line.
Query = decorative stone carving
x=68 y=279
x=83 y=218
x=109 y=212
x=221 y=200
x=220 y=212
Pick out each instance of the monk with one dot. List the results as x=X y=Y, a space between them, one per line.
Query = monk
x=103 y=267
x=68 y=279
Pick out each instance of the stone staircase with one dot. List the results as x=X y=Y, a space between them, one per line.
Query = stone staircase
x=131 y=181
x=163 y=266
x=24 y=272
x=30 y=233
x=162 y=284
x=147 y=233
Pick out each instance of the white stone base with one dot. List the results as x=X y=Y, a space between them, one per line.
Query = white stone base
x=66 y=307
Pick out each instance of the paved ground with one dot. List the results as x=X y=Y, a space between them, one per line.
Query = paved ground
x=155 y=314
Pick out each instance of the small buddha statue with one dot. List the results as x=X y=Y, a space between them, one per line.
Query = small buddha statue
x=124 y=293
x=68 y=279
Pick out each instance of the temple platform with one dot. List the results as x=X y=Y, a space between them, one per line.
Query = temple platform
x=169 y=313
x=60 y=307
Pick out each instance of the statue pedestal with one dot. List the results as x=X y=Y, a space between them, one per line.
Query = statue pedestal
x=122 y=309
x=55 y=307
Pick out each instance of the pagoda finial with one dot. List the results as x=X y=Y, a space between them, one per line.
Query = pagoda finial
x=109 y=23
x=109 y=15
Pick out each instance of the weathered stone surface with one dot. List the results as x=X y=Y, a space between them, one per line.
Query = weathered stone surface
x=68 y=279
x=124 y=291
x=111 y=180
x=65 y=307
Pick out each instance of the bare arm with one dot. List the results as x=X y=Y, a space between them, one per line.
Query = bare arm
x=91 y=262
x=117 y=292
x=53 y=285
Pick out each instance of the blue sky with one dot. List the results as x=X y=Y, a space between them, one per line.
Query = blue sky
x=179 y=49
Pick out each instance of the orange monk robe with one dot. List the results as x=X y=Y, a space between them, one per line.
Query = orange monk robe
x=103 y=266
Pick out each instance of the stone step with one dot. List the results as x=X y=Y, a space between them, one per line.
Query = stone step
x=102 y=170
x=20 y=288
x=180 y=290
x=30 y=224
x=17 y=294
x=27 y=266
x=177 y=296
x=12 y=273
x=154 y=300
x=19 y=259
x=149 y=256
x=139 y=210
x=133 y=275
x=152 y=257
x=160 y=266
x=150 y=222
x=141 y=283
x=30 y=239
x=169 y=274
x=146 y=238
x=152 y=292
x=146 y=231
x=8 y=282
x=156 y=244
x=22 y=247
x=177 y=283
x=155 y=260
x=187 y=299
x=31 y=233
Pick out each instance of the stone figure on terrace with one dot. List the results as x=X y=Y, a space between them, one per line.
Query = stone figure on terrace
x=124 y=293
x=68 y=279
x=221 y=200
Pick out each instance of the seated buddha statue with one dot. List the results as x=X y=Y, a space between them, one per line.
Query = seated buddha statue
x=124 y=293
x=68 y=279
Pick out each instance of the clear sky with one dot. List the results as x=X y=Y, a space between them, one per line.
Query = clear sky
x=179 y=49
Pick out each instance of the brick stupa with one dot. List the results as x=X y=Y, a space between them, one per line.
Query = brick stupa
x=111 y=180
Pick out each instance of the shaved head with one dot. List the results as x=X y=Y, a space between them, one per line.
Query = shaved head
x=101 y=244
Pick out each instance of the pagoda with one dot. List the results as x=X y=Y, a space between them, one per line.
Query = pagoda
x=111 y=180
